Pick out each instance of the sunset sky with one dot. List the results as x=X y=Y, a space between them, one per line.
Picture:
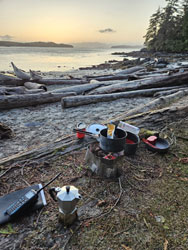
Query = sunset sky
x=70 y=21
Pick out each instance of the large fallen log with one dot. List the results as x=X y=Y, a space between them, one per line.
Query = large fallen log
x=157 y=103
x=81 y=89
x=159 y=118
x=17 y=101
x=112 y=78
x=130 y=70
x=61 y=81
x=74 y=101
x=10 y=80
x=153 y=82
x=121 y=75
x=20 y=90
x=168 y=92
x=44 y=152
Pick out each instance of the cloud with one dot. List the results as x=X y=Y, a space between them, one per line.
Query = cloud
x=108 y=30
x=6 y=38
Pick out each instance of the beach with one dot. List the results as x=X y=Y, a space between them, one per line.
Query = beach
x=34 y=126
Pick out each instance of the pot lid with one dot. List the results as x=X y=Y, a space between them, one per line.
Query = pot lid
x=95 y=128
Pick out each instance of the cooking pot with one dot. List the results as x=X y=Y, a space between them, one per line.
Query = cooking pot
x=116 y=144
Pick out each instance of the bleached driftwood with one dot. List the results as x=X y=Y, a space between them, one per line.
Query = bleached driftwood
x=62 y=81
x=158 y=103
x=20 y=73
x=10 y=80
x=20 y=90
x=17 y=101
x=34 y=85
x=80 y=89
x=153 y=82
x=74 y=101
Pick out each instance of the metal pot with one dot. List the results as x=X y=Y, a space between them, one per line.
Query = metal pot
x=116 y=144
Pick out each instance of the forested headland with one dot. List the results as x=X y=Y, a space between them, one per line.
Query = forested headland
x=168 y=28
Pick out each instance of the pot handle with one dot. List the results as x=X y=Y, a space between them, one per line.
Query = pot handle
x=52 y=191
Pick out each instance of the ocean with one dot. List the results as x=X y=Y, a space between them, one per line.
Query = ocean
x=55 y=59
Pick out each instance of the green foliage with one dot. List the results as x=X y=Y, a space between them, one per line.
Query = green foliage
x=168 y=28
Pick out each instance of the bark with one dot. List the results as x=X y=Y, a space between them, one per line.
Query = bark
x=17 y=101
x=153 y=82
x=74 y=101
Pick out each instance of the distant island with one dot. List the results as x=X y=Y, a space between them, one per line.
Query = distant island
x=34 y=44
x=126 y=46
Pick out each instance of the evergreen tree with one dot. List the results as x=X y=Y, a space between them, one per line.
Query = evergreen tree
x=152 y=31
x=168 y=28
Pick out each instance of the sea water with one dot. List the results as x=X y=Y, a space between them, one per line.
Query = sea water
x=55 y=59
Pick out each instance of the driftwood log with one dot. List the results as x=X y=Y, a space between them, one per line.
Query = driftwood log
x=159 y=118
x=62 y=81
x=34 y=85
x=8 y=80
x=122 y=75
x=158 y=103
x=168 y=92
x=20 y=90
x=81 y=89
x=74 y=101
x=17 y=101
x=153 y=82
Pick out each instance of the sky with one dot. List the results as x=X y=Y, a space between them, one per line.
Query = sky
x=72 y=21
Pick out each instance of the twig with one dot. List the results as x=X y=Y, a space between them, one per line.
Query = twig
x=27 y=183
x=7 y=171
x=37 y=221
x=134 y=186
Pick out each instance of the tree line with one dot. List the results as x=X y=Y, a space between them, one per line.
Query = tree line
x=168 y=28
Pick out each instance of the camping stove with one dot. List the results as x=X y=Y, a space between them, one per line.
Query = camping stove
x=105 y=164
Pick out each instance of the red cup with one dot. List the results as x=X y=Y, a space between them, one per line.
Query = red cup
x=81 y=126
